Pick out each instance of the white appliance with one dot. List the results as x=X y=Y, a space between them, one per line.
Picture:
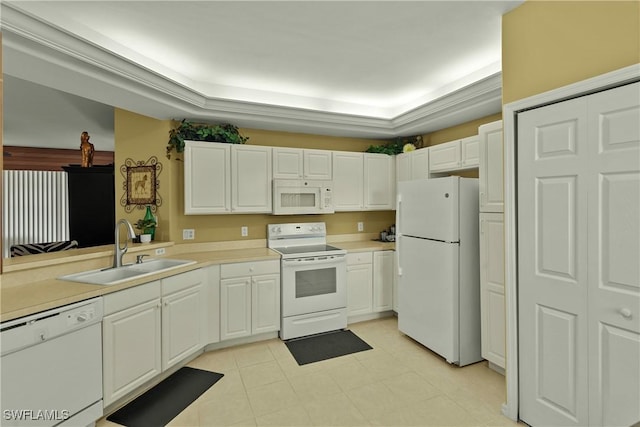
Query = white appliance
x=313 y=279
x=438 y=266
x=299 y=197
x=52 y=367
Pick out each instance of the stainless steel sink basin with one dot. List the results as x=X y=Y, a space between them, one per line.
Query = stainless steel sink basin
x=113 y=276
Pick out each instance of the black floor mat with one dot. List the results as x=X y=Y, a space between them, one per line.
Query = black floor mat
x=325 y=346
x=166 y=400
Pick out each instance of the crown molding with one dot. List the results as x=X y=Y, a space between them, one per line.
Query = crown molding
x=37 y=51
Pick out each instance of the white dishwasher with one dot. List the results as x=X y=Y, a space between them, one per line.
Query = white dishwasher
x=51 y=365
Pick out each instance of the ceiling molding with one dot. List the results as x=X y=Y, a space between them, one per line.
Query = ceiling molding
x=42 y=53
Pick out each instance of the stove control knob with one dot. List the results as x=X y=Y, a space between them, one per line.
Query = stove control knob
x=276 y=229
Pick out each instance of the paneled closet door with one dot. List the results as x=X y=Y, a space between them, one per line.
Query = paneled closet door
x=614 y=254
x=552 y=264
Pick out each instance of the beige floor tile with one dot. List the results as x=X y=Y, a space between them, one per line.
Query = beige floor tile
x=233 y=409
x=335 y=410
x=291 y=368
x=279 y=349
x=314 y=385
x=102 y=422
x=373 y=400
x=252 y=354
x=261 y=374
x=438 y=411
x=230 y=384
x=216 y=361
x=384 y=366
x=350 y=375
x=294 y=416
x=410 y=387
x=272 y=398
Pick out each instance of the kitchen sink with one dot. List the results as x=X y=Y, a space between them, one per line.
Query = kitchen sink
x=113 y=276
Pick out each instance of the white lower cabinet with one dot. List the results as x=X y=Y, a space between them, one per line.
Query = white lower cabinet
x=249 y=298
x=359 y=283
x=370 y=277
x=149 y=328
x=492 y=300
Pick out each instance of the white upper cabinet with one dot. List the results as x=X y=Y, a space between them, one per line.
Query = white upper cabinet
x=470 y=152
x=348 y=181
x=288 y=163
x=455 y=155
x=251 y=179
x=412 y=165
x=207 y=178
x=297 y=163
x=491 y=167
x=379 y=181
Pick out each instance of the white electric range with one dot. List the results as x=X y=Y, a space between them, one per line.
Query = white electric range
x=313 y=279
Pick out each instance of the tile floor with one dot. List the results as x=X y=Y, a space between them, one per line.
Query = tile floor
x=398 y=383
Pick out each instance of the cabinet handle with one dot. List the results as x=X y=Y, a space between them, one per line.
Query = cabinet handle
x=482 y=198
x=625 y=312
x=166 y=303
x=158 y=305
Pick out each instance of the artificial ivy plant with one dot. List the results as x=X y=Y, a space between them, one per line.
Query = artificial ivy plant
x=396 y=146
x=202 y=132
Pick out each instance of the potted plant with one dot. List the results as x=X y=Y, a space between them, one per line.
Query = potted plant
x=147 y=226
x=202 y=132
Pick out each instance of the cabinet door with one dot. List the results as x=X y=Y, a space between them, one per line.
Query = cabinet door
x=207 y=178
x=445 y=156
x=383 y=264
x=419 y=164
x=288 y=163
x=470 y=152
x=317 y=164
x=403 y=167
x=251 y=179
x=265 y=303
x=348 y=181
x=359 y=289
x=492 y=287
x=181 y=325
x=235 y=308
x=131 y=349
x=379 y=182
x=491 y=168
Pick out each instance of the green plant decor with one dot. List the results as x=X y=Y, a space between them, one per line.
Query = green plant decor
x=395 y=147
x=202 y=132
x=146 y=225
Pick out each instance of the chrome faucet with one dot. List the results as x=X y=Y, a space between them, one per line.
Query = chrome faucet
x=120 y=251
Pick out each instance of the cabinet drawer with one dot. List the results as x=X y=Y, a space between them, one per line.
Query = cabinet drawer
x=182 y=281
x=239 y=269
x=131 y=297
x=360 y=258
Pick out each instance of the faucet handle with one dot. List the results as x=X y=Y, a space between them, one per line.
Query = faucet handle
x=140 y=257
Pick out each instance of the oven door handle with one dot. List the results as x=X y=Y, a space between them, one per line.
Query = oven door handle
x=329 y=259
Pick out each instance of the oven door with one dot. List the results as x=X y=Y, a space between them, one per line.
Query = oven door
x=313 y=284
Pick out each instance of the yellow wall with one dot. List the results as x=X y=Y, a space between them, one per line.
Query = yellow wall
x=550 y=44
x=460 y=131
x=139 y=137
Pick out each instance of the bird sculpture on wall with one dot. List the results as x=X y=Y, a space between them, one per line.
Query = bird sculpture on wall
x=87 y=149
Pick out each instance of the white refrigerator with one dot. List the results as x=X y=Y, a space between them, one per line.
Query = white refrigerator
x=438 y=266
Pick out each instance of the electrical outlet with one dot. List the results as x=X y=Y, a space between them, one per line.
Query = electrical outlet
x=160 y=251
x=360 y=226
x=188 y=234
x=244 y=231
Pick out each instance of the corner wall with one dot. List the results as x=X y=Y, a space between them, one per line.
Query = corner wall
x=550 y=44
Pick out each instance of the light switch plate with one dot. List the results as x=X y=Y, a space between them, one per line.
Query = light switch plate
x=188 y=234
x=360 y=226
x=244 y=231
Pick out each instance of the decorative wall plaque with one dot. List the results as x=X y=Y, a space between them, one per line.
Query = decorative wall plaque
x=141 y=184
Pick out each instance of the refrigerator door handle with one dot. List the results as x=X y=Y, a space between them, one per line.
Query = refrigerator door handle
x=399 y=233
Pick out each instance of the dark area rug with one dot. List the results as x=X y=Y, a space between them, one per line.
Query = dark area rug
x=325 y=346
x=166 y=400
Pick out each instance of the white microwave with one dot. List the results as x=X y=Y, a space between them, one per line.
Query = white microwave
x=299 y=196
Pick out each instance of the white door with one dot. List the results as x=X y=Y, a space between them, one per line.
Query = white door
x=383 y=276
x=403 y=167
x=579 y=283
x=614 y=254
x=265 y=303
x=470 y=151
x=251 y=179
x=359 y=289
x=419 y=164
x=379 y=181
x=552 y=243
x=445 y=156
x=348 y=181
x=181 y=322
x=131 y=349
x=492 y=300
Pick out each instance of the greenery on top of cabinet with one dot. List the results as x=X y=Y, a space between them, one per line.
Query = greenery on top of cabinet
x=396 y=146
x=202 y=132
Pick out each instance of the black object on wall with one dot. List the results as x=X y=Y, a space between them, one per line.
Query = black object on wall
x=91 y=204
